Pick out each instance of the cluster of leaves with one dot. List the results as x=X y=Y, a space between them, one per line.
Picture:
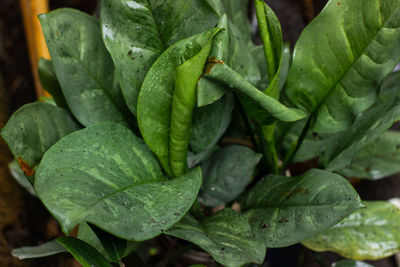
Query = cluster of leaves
x=145 y=97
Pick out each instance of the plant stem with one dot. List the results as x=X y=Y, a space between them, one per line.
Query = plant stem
x=266 y=38
x=296 y=145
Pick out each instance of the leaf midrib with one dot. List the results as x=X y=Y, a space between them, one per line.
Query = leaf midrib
x=339 y=80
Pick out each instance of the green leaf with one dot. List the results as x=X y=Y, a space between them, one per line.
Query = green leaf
x=183 y=104
x=49 y=82
x=83 y=252
x=341 y=58
x=46 y=249
x=83 y=67
x=210 y=123
x=33 y=129
x=131 y=36
x=107 y=176
x=20 y=177
x=226 y=235
x=367 y=234
x=237 y=13
x=226 y=174
x=113 y=246
x=366 y=128
x=285 y=210
x=390 y=87
x=86 y=234
x=224 y=74
x=376 y=160
x=350 y=263
x=156 y=95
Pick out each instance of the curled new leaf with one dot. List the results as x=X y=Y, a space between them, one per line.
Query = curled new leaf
x=224 y=74
x=156 y=95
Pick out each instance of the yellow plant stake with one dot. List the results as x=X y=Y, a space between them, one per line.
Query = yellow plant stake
x=36 y=43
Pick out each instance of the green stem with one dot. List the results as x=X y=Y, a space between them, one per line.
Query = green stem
x=266 y=38
x=296 y=145
x=270 y=154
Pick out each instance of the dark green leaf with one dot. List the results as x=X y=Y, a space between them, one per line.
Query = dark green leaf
x=237 y=14
x=224 y=74
x=33 y=129
x=226 y=236
x=376 y=160
x=226 y=174
x=114 y=246
x=367 y=234
x=366 y=128
x=86 y=234
x=107 y=176
x=341 y=58
x=21 y=178
x=83 y=252
x=47 y=249
x=49 y=82
x=286 y=210
x=350 y=263
x=84 y=69
x=156 y=95
x=390 y=87
x=210 y=123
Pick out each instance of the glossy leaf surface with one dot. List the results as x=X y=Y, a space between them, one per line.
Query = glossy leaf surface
x=285 y=210
x=83 y=252
x=107 y=176
x=367 y=234
x=46 y=249
x=33 y=129
x=341 y=58
x=226 y=174
x=376 y=160
x=83 y=66
x=156 y=95
x=390 y=87
x=226 y=235
x=210 y=123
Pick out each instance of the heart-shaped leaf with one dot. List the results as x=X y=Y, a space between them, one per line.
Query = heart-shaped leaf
x=340 y=59
x=376 y=160
x=107 y=176
x=367 y=234
x=286 y=210
x=226 y=235
x=33 y=129
x=226 y=174
x=156 y=95
x=83 y=66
